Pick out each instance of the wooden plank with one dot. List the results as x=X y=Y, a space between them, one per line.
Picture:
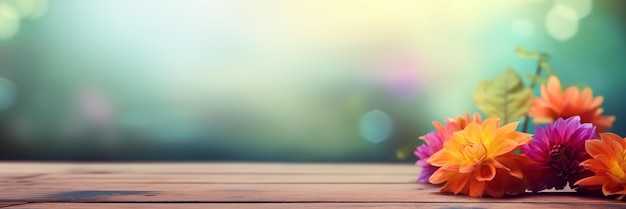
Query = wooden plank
x=201 y=168
x=222 y=193
x=213 y=178
x=608 y=204
x=238 y=184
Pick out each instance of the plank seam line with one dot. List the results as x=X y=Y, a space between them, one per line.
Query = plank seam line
x=16 y=204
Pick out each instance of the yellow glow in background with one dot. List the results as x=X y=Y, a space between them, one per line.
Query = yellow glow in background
x=276 y=79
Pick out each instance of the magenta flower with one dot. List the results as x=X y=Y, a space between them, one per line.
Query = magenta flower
x=434 y=142
x=557 y=152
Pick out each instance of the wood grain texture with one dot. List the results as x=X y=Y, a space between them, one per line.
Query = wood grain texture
x=245 y=185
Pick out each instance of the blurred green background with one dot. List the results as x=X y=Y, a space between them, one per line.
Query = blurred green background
x=277 y=80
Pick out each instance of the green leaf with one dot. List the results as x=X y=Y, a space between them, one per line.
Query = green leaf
x=520 y=51
x=504 y=97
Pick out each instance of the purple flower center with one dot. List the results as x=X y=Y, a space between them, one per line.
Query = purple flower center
x=562 y=163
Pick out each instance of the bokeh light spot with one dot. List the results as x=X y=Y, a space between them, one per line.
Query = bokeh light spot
x=9 y=21
x=581 y=7
x=562 y=22
x=376 y=126
x=7 y=93
x=25 y=7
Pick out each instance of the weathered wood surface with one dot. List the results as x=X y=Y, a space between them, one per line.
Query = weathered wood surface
x=245 y=185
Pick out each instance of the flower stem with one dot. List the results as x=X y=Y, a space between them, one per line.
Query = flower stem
x=533 y=83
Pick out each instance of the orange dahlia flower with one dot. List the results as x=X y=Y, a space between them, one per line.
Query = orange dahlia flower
x=479 y=160
x=554 y=104
x=433 y=142
x=608 y=164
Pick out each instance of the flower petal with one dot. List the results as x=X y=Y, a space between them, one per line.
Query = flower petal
x=553 y=90
x=593 y=165
x=497 y=187
x=504 y=147
x=477 y=188
x=440 y=176
x=456 y=184
x=556 y=103
x=515 y=163
x=610 y=188
x=486 y=172
x=595 y=147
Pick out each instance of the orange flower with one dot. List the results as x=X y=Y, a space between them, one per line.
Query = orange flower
x=608 y=164
x=433 y=142
x=462 y=122
x=456 y=124
x=555 y=104
x=479 y=160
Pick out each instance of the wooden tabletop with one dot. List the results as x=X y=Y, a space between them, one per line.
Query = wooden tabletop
x=245 y=185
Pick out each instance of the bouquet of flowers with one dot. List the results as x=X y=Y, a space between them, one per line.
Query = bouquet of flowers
x=481 y=157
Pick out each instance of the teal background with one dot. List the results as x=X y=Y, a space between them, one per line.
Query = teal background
x=273 y=80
